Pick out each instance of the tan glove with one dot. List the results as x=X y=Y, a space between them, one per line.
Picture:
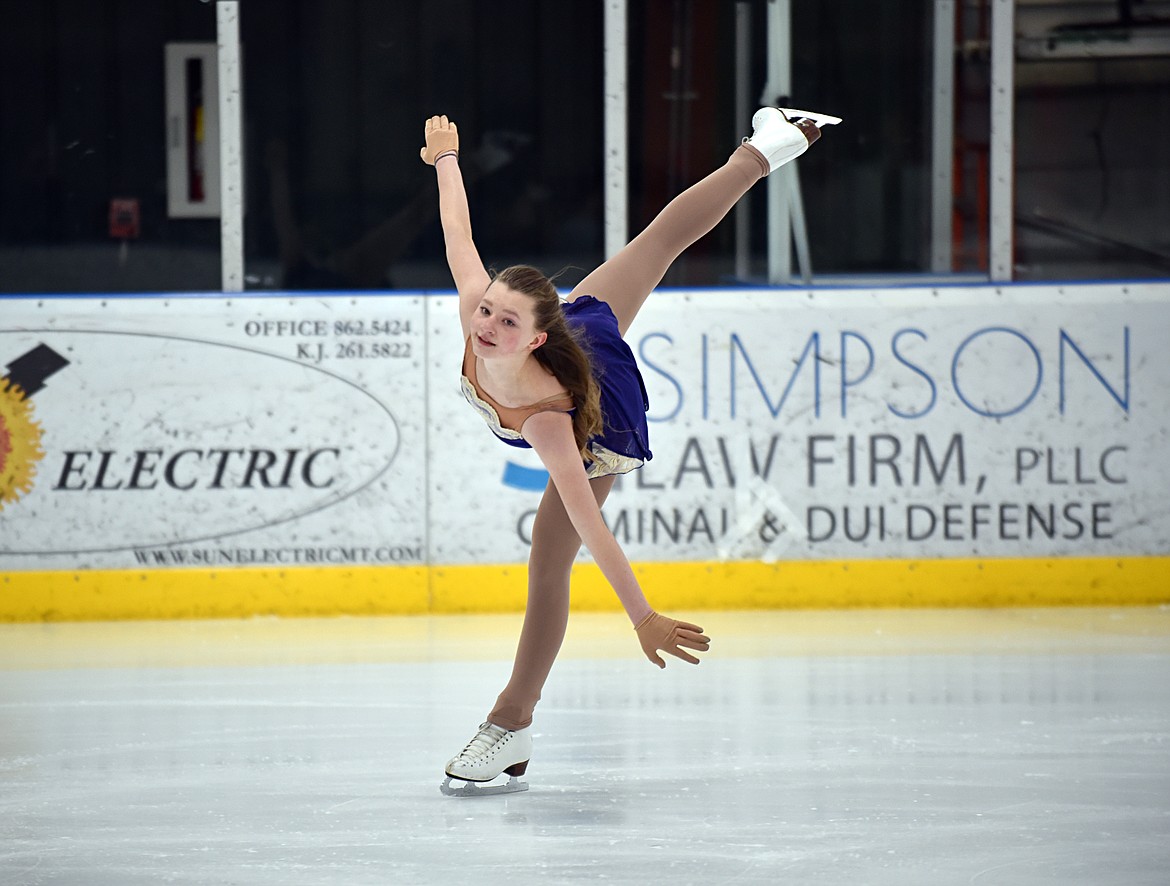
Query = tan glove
x=442 y=137
x=659 y=632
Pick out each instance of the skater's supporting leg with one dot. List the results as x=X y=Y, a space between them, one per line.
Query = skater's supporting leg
x=626 y=279
x=554 y=548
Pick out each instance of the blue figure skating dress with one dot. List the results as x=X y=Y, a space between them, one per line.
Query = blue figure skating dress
x=623 y=445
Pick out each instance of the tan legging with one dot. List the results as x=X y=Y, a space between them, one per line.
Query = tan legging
x=624 y=281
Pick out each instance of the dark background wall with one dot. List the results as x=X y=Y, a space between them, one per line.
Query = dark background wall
x=336 y=92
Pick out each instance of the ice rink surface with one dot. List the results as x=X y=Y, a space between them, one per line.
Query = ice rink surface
x=874 y=747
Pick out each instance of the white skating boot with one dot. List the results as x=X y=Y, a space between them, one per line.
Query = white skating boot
x=493 y=751
x=783 y=134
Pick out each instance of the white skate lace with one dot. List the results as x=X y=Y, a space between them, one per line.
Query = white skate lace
x=486 y=739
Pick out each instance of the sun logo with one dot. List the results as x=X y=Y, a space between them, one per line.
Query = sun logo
x=20 y=444
x=20 y=434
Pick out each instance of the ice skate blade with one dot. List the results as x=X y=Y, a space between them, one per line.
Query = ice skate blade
x=819 y=119
x=474 y=789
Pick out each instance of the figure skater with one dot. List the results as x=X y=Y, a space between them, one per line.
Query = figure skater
x=559 y=378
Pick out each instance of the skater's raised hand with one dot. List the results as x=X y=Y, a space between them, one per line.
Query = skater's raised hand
x=442 y=137
x=657 y=632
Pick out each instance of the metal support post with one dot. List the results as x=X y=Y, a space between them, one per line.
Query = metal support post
x=231 y=218
x=942 y=142
x=743 y=215
x=616 y=140
x=785 y=207
x=779 y=85
x=1000 y=198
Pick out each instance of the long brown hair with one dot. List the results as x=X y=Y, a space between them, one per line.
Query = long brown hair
x=563 y=353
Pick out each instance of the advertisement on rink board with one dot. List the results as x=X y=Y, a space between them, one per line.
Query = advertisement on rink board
x=212 y=432
x=280 y=431
x=858 y=424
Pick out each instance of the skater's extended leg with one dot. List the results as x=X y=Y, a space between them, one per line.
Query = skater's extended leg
x=554 y=548
x=626 y=279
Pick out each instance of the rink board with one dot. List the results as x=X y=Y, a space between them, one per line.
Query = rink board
x=200 y=456
x=96 y=595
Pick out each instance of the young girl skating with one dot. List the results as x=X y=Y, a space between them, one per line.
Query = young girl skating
x=559 y=378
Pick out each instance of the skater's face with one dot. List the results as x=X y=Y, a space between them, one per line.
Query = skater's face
x=504 y=324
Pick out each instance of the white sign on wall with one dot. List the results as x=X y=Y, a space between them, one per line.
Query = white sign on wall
x=1027 y=421
x=329 y=430
x=191 y=77
x=147 y=432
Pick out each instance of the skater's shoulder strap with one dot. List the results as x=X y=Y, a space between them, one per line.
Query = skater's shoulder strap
x=505 y=421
